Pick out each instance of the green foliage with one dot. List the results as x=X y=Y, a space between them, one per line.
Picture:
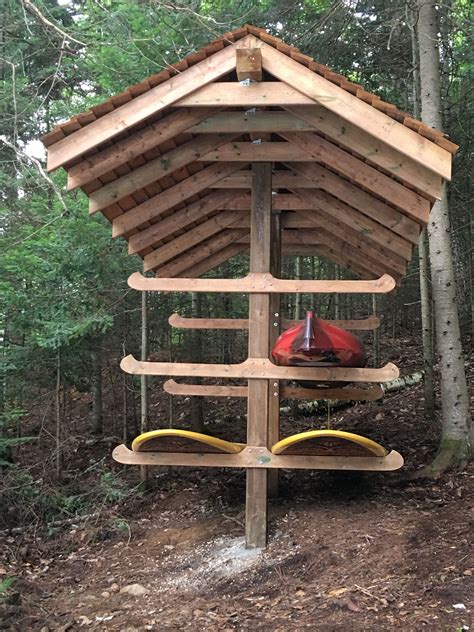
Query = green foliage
x=5 y=585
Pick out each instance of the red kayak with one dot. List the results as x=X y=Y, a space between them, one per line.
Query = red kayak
x=315 y=342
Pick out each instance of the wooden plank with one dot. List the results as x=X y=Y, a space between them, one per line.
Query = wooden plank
x=281 y=202
x=261 y=282
x=350 y=394
x=155 y=170
x=135 y=145
x=260 y=368
x=273 y=151
x=330 y=206
x=204 y=390
x=356 y=111
x=200 y=253
x=170 y=197
x=251 y=121
x=363 y=175
x=258 y=346
x=213 y=260
x=248 y=64
x=143 y=106
x=257 y=457
x=360 y=200
x=175 y=320
x=227 y=94
x=281 y=180
x=190 y=238
x=179 y=220
x=375 y=151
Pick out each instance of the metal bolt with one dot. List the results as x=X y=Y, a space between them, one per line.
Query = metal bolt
x=276 y=314
x=275 y=394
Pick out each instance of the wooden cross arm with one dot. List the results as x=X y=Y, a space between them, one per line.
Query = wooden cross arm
x=258 y=283
x=259 y=457
x=181 y=322
x=260 y=368
x=355 y=394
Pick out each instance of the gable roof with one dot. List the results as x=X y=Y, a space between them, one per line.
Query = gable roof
x=81 y=120
x=167 y=162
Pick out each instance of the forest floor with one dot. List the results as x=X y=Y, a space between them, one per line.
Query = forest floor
x=347 y=551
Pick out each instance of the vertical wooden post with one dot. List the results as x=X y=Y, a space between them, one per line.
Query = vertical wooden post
x=376 y=334
x=275 y=319
x=259 y=340
x=143 y=381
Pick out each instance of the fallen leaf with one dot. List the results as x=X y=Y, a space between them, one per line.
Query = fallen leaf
x=336 y=592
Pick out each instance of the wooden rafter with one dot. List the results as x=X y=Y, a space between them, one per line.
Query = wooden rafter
x=170 y=197
x=355 y=139
x=360 y=200
x=369 y=229
x=356 y=111
x=362 y=174
x=213 y=260
x=204 y=250
x=155 y=170
x=144 y=106
x=190 y=238
x=179 y=220
x=135 y=145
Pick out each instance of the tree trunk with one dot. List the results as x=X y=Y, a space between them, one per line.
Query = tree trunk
x=58 y=414
x=96 y=388
x=454 y=449
x=423 y=259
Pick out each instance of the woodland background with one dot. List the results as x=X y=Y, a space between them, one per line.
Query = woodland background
x=67 y=315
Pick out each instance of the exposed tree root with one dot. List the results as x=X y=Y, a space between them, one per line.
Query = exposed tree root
x=453 y=454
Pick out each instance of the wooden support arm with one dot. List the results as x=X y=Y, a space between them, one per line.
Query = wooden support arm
x=260 y=283
x=260 y=368
x=367 y=394
x=175 y=320
x=260 y=457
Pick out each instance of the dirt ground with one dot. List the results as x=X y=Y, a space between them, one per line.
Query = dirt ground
x=347 y=551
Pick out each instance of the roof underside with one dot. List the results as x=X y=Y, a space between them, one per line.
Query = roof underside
x=168 y=162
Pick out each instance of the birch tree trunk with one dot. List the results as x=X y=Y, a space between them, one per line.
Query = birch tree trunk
x=96 y=387
x=454 y=449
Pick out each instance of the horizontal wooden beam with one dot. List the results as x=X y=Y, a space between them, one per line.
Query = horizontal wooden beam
x=154 y=170
x=135 y=145
x=371 y=148
x=363 y=175
x=370 y=393
x=176 y=194
x=265 y=122
x=260 y=283
x=257 y=152
x=228 y=94
x=175 y=320
x=143 y=106
x=280 y=180
x=256 y=457
x=360 y=200
x=356 y=111
x=260 y=368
